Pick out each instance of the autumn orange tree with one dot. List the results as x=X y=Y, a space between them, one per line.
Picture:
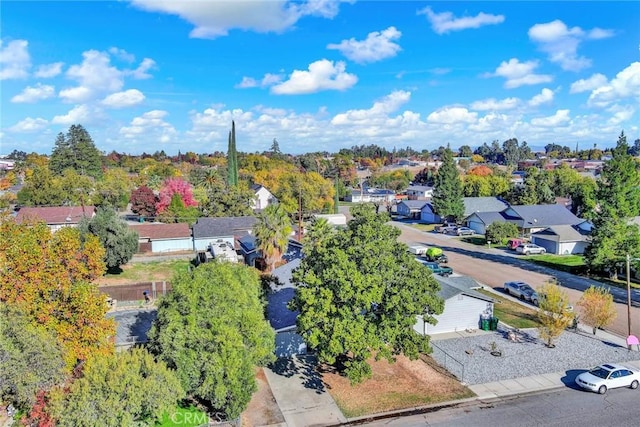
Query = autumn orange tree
x=597 y=308
x=48 y=276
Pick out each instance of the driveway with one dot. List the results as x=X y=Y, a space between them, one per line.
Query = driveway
x=301 y=394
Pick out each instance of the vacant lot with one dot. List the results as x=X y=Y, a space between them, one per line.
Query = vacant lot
x=144 y=272
x=400 y=385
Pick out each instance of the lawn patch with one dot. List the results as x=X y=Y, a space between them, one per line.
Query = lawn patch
x=400 y=385
x=512 y=313
x=423 y=227
x=145 y=272
x=573 y=264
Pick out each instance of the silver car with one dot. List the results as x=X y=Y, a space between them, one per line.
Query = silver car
x=530 y=248
x=521 y=290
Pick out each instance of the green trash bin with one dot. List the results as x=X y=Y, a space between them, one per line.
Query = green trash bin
x=484 y=324
x=493 y=324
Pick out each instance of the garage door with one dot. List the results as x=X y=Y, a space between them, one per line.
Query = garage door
x=550 y=246
x=476 y=226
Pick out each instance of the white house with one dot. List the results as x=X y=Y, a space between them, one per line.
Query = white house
x=337 y=220
x=367 y=195
x=263 y=197
x=563 y=239
x=419 y=192
x=463 y=307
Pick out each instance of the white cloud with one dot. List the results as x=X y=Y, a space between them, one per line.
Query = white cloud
x=321 y=75
x=140 y=73
x=95 y=75
x=380 y=109
x=122 y=54
x=128 y=98
x=561 y=43
x=215 y=18
x=444 y=22
x=77 y=114
x=493 y=104
x=626 y=84
x=584 y=85
x=376 y=47
x=151 y=127
x=621 y=114
x=49 y=70
x=520 y=73
x=544 y=97
x=14 y=60
x=560 y=118
x=29 y=125
x=452 y=115
x=34 y=93
x=247 y=82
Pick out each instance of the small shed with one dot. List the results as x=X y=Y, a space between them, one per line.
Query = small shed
x=162 y=238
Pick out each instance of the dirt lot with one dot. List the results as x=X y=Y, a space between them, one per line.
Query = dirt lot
x=399 y=385
x=263 y=409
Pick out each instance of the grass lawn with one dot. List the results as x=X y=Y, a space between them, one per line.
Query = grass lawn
x=145 y=272
x=399 y=385
x=424 y=227
x=513 y=313
x=561 y=260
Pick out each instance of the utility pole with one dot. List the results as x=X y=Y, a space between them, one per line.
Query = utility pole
x=300 y=213
x=629 y=297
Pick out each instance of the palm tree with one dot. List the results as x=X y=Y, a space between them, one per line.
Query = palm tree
x=272 y=233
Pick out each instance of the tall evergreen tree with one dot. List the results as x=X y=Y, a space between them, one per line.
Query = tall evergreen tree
x=447 y=193
x=617 y=201
x=76 y=150
x=232 y=157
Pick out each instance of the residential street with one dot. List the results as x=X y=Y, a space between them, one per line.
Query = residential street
x=565 y=407
x=493 y=267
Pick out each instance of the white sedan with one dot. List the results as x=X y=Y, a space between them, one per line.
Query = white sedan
x=603 y=377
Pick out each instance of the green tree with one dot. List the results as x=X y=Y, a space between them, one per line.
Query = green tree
x=232 y=158
x=30 y=359
x=178 y=212
x=272 y=232
x=447 y=197
x=77 y=189
x=583 y=197
x=554 y=313
x=359 y=292
x=118 y=240
x=211 y=329
x=617 y=199
x=125 y=389
x=113 y=189
x=232 y=201
x=41 y=188
x=465 y=151
x=597 y=307
x=76 y=150
x=499 y=232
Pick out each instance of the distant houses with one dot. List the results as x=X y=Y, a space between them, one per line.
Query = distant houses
x=56 y=217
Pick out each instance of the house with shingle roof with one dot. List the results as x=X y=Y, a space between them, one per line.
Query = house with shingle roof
x=161 y=238
x=263 y=197
x=563 y=239
x=534 y=218
x=410 y=208
x=419 y=192
x=463 y=306
x=471 y=205
x=56 y=217
x=228 y=229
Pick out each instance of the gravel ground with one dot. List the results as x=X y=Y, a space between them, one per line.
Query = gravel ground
x=471 y=361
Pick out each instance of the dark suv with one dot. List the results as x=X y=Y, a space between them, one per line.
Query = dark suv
x=437 y=268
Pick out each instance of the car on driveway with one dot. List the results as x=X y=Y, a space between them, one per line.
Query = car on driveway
x=436 y=268
x=530 y=248
x=464 y=231
x=521 y=290
x=610 y=375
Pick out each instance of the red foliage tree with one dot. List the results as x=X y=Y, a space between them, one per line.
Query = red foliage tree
x=175 y=186
x=143 y=201
x=39 y=415
x=481 y=170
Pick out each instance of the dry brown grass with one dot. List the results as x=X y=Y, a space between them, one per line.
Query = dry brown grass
x=262 y=409
x=400 y=385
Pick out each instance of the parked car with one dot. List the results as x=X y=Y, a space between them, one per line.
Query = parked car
x=436 y=255
x=530 y=248
x=445 y=228
x=521 y=290
x=512 y=244
x=436 y=268
x=610 y=375
x=464 y=231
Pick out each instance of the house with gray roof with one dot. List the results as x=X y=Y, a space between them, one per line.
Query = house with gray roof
x=534 y=218
x=410 y=208
x=563 y=239
x=471 y=205
x=464 y=307
x=281 y=319
x=419 y=192
x=228 y=229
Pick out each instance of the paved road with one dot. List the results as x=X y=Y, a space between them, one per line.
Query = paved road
x=566 y=407
x=493 y=267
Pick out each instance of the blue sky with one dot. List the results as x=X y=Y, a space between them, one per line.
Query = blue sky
x=320 y=75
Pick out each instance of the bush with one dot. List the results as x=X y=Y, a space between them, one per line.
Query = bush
x=500 y=232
